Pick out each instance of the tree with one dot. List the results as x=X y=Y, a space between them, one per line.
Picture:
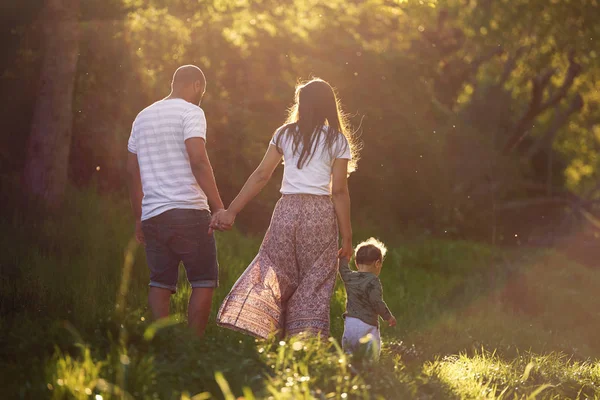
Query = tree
x=46 y=166
x=465 y=107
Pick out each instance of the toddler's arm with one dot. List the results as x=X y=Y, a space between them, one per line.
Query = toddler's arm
x=376 y=300
x=345 y=270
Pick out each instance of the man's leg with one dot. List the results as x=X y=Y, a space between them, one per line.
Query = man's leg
x=163 y=265
x=199 y=309
x=159 y=301
x=197 y=249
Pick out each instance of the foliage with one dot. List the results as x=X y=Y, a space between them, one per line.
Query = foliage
x=450 y=297
x=473 y=113
x=479 y=119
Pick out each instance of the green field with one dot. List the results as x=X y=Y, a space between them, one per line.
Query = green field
x=473 y=322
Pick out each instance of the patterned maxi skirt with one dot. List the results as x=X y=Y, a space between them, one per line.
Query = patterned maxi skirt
x=287 y=288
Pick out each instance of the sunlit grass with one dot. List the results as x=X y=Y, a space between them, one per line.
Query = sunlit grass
x=487 y=376
x=510 y=316
x=73 y=377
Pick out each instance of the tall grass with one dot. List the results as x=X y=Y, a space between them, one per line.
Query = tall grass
x=486 y=375
x=72 y=328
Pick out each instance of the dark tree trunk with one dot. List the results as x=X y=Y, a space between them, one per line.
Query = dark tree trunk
x=46 y=166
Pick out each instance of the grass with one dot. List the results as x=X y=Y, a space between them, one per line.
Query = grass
x=473 y=322
x=486 y=375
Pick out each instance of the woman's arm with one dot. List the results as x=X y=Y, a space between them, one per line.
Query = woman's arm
x=252 y=187
x=341 y=203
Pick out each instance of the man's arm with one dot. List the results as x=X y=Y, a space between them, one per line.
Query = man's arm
x=135 y=193
x=203 y=172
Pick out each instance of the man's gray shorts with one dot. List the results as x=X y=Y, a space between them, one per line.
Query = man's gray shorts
x=181 y=235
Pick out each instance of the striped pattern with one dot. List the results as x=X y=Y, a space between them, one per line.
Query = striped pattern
x=158 y=138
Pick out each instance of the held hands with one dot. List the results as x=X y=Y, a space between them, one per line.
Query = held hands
x=346 y=250
x=222 y=220
x=392 y=321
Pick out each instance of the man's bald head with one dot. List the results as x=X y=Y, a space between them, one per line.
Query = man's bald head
x=189 y=83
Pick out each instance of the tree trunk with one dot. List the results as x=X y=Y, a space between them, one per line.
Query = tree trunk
x=46 y=166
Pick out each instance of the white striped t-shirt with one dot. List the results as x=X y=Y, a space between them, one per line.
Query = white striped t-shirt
x=158 y=138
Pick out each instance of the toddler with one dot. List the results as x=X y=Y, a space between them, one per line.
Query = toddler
x=364 y=302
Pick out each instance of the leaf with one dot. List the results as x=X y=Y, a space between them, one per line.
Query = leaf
x=539 y=390
x=528 y=369
x=225 y=389
x=150 y=331
x=248 y=395
x=202 y=396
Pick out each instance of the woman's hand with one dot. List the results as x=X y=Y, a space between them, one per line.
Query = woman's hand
x=392 y=321
x=346 y=250
x=222 y=221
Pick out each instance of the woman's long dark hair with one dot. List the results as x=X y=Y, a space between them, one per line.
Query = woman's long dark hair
x=316 y=112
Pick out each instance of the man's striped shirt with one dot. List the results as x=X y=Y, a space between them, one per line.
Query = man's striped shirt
x=158 y=138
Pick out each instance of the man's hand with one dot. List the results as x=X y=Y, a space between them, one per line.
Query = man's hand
x=346 y=250
x=139 y=233
x=392 y=321
x=222 y=220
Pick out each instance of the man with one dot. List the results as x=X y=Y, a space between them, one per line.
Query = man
x=171 y=187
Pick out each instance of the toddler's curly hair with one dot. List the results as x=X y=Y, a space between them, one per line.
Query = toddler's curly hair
x=370 y=251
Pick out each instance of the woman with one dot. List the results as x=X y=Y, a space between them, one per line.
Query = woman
x=287 y=288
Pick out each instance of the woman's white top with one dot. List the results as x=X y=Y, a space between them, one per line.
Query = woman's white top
x=315 y=175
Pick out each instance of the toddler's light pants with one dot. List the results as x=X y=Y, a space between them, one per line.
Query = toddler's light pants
x=360 y=335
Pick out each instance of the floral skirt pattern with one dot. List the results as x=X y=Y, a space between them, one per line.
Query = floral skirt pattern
x=287 y=288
